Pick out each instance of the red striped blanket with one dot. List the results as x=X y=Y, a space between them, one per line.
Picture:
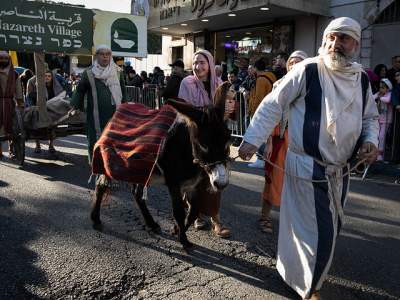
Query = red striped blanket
x=131 y=142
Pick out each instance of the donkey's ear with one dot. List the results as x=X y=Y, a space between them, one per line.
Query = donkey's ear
x=186 y=109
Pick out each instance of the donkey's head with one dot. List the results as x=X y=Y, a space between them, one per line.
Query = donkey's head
x=210 y=139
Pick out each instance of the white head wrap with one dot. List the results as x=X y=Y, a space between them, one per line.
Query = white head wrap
x=387 y=82
x=102 y=47
x=298 y=53
x=344 y=25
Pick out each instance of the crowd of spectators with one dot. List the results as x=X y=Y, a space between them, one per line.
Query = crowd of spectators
x=252 y=79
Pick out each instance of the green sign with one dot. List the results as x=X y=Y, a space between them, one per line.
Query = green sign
x=42 y=26
x=124 y=36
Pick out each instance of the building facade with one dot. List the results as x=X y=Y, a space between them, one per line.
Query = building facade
x=235 y=29
x=380 y=23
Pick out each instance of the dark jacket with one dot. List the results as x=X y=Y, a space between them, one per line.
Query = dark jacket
x=396 y=95
x=243 y=73
x=249 y=82
x=135 y=81
x=390 y=75
x=173 y=85
x=279 y=72
x=158 y=79
x=236 y=85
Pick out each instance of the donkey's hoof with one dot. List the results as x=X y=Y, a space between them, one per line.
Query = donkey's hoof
x=187 y=245
x=155 y=228
x=97 y=226
x=175 y=230
x=95 y=218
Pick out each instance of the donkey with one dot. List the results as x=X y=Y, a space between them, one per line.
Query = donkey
x=196 y=149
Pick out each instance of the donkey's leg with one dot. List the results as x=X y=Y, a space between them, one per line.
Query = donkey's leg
x=179 y=215
x=137 y=191
x=101 y=190
x=193 y=213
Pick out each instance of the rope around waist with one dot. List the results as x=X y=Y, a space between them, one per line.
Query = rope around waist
x=268 y=161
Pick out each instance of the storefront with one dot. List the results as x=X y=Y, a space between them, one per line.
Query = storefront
x=252 y=43
x=236 y=30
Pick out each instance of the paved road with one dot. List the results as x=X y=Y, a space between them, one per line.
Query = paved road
x=48 y=249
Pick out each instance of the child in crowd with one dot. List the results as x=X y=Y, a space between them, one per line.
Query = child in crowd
x=385 y=108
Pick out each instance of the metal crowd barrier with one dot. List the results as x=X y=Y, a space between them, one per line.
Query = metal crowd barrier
x=241 y=121
x=148 y=96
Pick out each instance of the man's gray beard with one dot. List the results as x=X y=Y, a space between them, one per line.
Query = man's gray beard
x=335 y=61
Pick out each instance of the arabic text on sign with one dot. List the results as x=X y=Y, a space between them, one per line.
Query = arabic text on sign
x=45 y=15
x=202 y=5
x=170 y=12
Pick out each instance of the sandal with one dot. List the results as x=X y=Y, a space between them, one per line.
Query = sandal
x=266 y=225
x=221 y=231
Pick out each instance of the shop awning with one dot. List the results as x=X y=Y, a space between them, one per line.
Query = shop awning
x=181 y=20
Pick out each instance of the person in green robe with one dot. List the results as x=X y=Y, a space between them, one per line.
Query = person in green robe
x=98 y=93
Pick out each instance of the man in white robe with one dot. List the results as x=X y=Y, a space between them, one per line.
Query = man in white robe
x=332 y=115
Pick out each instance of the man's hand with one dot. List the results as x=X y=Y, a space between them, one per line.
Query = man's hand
x=368 y=151
x=247 y=150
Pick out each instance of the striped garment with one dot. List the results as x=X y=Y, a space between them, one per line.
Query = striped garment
x=130 y=144
x=311 y=213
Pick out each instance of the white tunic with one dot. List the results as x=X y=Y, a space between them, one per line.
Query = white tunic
x=291 y=93
x=311 y=213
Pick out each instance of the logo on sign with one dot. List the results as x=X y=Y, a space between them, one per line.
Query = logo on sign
x=124 y=36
